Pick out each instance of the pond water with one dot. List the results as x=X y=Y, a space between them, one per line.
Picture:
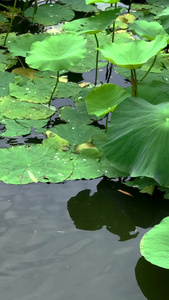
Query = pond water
x=77 y=240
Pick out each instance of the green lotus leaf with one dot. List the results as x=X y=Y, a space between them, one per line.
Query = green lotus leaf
x=76 y=115
x=94 y=24
x=105 y=98
x=50 y=14
x=136 y=129
x=56 y=53
x=55 y=141
x=163 y=16
x=154 y=245
x=101 y=1
x=89 y=61
x=144 y=184
x=79 y=6
x=27 y=164
x=20 y=127
x=13 y=108
x=5 y=79
x=6 y=60
x=133 y=54
x=148 y=29
x=22 y=43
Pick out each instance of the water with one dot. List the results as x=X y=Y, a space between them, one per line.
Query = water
x=77 y=240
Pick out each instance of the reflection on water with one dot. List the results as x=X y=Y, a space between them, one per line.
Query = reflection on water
x=49 y=252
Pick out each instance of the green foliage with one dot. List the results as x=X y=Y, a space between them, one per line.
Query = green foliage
x=136 y=129
x=56 y=53
x=154 y=244
x=105 y=98
x=50 y=14
x=133 y=54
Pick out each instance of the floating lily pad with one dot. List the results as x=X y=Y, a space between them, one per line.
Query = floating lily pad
x=5 y=79
x=50 y=14
x=13 y=108
x=154 y=244
x=79 y=6
x=101 y=1
x=136 y=129
x=27 y=164
x=6 y=60
x=20 y=127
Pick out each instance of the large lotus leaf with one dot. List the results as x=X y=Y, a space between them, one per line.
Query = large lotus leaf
x=27 y=164
x=50 y=14
x=94 y=24
x=79 y=6
x=76 y=114
x=89 y=61
x=154 y=245
x=162 y=3
x=133 y=54
x=138 y=139
x=20 y=127
x=163 y=16
x=57 y=53
x=5 y=79
x=22 y=43
x=13 y=108
x=148 y=29
x=105 y=98
x=101 y=1
x=6 y=60
x=155 y=92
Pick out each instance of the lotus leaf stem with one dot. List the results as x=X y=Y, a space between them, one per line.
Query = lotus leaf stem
x=97 y=58
x=57 y=80
x=10 y=25
x=149 y=69
x=134 y=83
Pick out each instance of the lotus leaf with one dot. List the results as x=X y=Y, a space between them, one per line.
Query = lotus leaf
x=22 y=43
x=79 y=6
x=133 y=54
x=101 y=1
x=23 y=164
x=136 y=129
x=50 y=14
x=13 y=108
x=148 y=29
x=105 y=98
x=154 y=244
x=94 y=24
x=57 y=53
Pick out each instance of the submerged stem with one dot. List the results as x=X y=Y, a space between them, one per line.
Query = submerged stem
x=149 y=69
x=97 y=58
x=10 y=25
x=57 y=80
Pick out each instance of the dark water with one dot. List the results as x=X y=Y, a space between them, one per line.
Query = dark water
x=77 y=240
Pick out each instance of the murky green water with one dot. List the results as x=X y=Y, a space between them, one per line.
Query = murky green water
x=78 y=240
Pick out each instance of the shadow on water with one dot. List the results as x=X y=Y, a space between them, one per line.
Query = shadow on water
x=121 y=213
x=152 y=280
